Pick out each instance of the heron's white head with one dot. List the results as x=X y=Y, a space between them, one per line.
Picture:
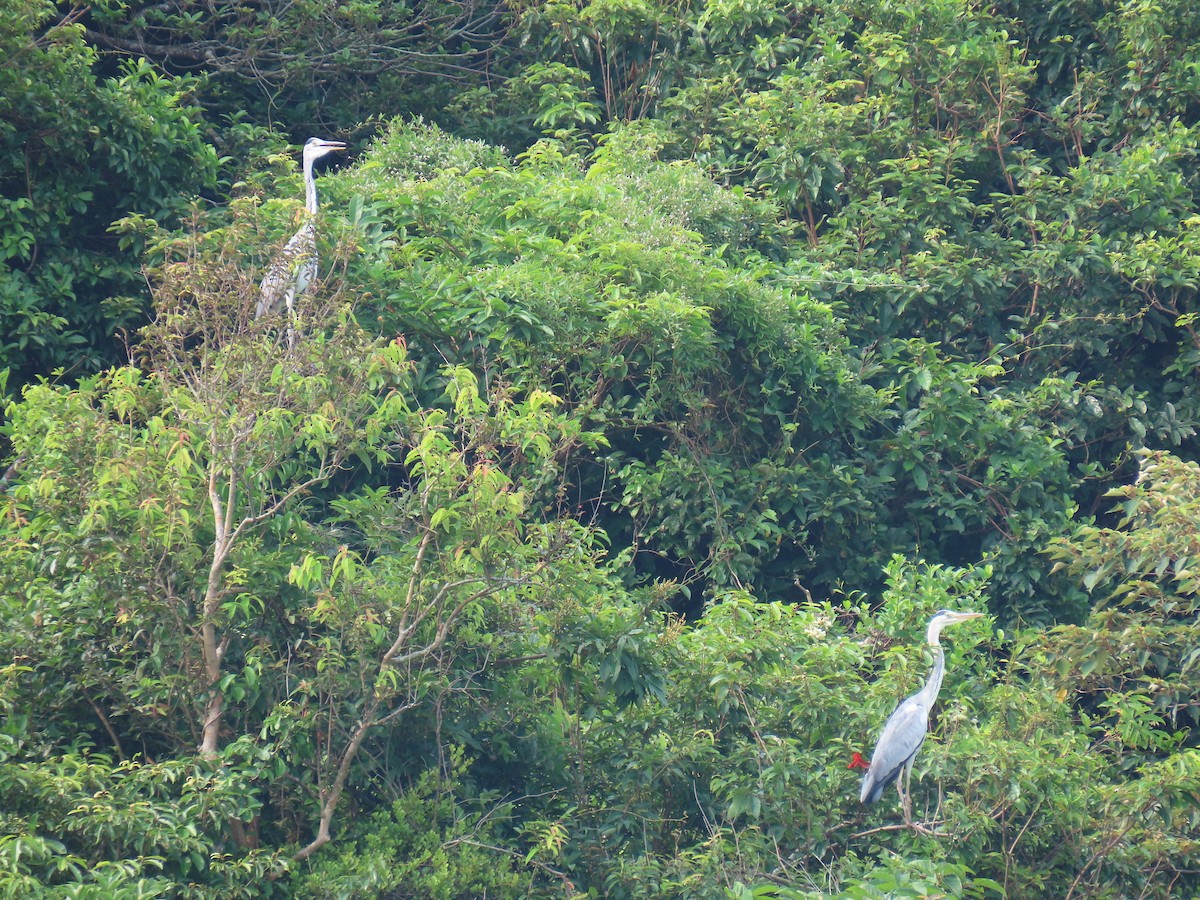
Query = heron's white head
x=315 y=148
x=944 y=617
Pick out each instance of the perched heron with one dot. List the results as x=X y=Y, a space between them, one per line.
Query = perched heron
x=906 y=727
x=295 y=268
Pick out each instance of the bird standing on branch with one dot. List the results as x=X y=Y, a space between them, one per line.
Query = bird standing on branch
x=295 y=268
x=906 y=728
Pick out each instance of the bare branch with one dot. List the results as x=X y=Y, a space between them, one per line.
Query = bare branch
x=453 y=38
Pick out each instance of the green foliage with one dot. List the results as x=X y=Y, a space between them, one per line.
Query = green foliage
x=744 y=753
x=158 y=554
x=430 y=843
x=735 y=781
x=84 y=824
x=632 y=463
x=494 y=265
x=1011 y=183
x=78 y=151
x=1133 y=662
x=746 y=444
x=897 y=877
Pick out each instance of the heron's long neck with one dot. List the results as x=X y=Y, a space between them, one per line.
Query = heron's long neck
x=934 y=684
x=310 y=189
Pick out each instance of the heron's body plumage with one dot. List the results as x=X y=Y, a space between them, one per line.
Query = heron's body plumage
x=291 y=272
x=902 y=736
x=905 y=730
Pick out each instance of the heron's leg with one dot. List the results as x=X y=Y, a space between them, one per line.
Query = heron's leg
x=906 y=793
x=292 y=334
x=290 y=315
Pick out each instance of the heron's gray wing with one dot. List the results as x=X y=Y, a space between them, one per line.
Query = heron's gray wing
x=901 y=739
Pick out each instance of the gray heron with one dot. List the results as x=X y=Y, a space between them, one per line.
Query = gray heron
x=294 y=269
x=905 y=729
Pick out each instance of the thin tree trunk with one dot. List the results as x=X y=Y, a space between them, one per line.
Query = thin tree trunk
x=211 y=648
x=331 y=796
x=210 y=644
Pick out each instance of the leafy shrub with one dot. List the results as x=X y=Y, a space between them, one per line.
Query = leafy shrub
x=430 y=844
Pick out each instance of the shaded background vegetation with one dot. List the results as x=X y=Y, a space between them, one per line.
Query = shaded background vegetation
x=670 y=365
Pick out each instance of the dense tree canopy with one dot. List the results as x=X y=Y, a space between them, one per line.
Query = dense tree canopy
x=668 y=366
x=78 y=152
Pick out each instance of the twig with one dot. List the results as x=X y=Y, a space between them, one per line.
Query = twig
x=108 y=727
x=561 y=876
x=929 y=830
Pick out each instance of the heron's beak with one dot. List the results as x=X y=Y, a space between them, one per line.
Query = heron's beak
x=332 y=145
x=962 y=617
